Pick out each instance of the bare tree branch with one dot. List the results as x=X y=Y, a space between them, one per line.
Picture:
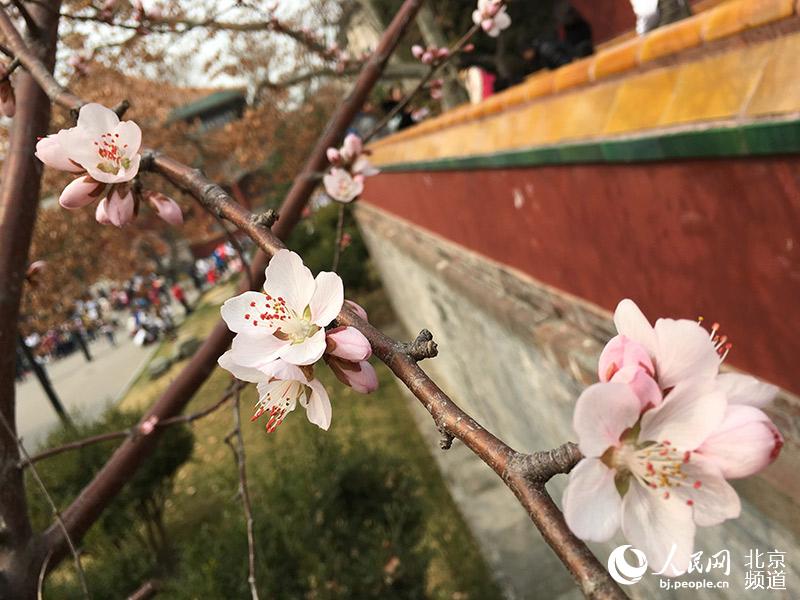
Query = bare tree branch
x=125 y=433
x=236 y=442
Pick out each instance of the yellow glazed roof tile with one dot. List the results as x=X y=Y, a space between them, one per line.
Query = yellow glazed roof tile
x=716 y=87
x=641 y=100
x=672 y=38
x=573 y=74
x=778 y=90
x=622 y=57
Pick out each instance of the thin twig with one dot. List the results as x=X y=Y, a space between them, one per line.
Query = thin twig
x=337 y=247
x=237 y=447
x=53 y=507
x=12 y=66
x=435 y=68
x=125 y=433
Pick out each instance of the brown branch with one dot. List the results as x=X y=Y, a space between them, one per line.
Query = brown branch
x=49 y=499
x=125 y=433
x=237 y=447
x=20 y=554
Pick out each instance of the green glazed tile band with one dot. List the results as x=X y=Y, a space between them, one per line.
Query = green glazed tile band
x=752 y=139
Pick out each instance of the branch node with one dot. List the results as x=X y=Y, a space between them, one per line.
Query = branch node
x=265 y=219
x=147 y=161
x=122 y=108
x=421 y=348
x=446 y=441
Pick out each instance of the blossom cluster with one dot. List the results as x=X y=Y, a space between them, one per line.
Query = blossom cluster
x=662 y=433
x=104 y=154
x=349 y=166
x=491 y=15
x=282 y=332
x=430 y=55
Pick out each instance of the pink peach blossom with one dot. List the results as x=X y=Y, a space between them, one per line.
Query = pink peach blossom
x=341 y=186
x=491 y=15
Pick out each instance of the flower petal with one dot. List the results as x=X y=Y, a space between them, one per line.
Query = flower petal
x=631 y=322
x=51 y=152
x=80 y=192
x=642 y=384
x=661 y=528
x=713 y=500
x=745 y=442
x=684 y=350
x=240 y=312
x=327 y=299
x=96 y=118
x=591 y=502
x=602 y=413
x=287 y=277
x=687 y=416
x=120 y=208
x=227 y=362
x=255 y=351
x=620 y=352
x=318 y=405
x=130 y=137
x=100 y=213
x=744 y=389
x=307 y=352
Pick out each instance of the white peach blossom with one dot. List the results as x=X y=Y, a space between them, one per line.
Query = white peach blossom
x=288 y=319
x=280 y=387
x=341 y=186
x=104 y=152
x=491 y=15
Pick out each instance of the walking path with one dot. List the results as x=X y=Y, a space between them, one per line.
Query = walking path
x=85 y=388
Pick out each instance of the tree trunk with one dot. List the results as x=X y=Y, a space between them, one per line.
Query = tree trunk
x=20 y=558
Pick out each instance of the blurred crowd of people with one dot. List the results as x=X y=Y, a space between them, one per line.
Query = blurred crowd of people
x=142 y=306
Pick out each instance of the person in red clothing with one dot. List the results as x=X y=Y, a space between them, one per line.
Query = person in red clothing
x=180 y=296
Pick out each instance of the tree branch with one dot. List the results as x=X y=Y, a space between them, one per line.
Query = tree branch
x=236 y=442
x=124 y=433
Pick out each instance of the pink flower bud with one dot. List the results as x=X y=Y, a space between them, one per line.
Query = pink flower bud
x=417 y=51
x=442 y=53
x=360 y=376
x=100 y=214
x=347 y=343
x=623 y=352
x=148 y=425
x=165 y=207
x=427 y=58
x=80 y=192
x=334 y=157
x=351 y=147
x=358 y=309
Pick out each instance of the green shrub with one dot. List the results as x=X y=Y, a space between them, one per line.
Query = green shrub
x=331 y=522
x=129 y=543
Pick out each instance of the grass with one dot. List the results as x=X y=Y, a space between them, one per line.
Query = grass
x=303 y=480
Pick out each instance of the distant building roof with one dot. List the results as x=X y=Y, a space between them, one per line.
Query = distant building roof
x=212 y=104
